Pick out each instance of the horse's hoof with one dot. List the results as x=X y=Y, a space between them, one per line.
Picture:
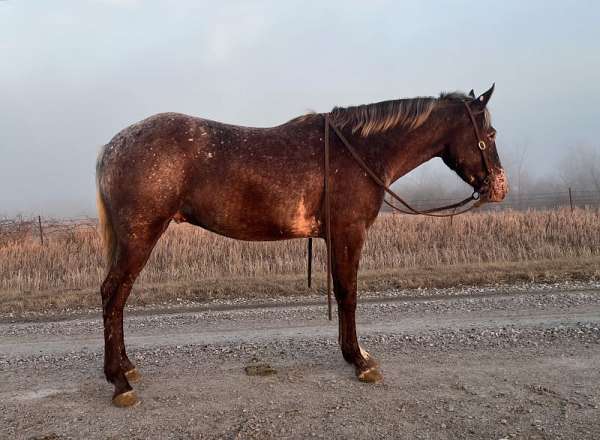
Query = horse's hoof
x=370 y=375
x=133 y=375
x=126 y=399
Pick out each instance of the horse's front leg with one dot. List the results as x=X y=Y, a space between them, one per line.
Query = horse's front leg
x=347 y=246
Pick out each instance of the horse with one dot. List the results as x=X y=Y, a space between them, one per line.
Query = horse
x=263 y=184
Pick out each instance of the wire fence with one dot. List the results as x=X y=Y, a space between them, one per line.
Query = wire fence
x=43 y=228
x=20 y=228
x=571 y=198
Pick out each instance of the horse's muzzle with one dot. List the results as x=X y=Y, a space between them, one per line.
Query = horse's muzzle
x=497 y=189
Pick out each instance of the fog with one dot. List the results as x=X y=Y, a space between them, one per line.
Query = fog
x=75 y=73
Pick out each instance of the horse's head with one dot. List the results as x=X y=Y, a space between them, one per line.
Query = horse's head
x=470 y=149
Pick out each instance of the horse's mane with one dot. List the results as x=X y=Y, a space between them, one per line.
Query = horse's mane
x=411 y=113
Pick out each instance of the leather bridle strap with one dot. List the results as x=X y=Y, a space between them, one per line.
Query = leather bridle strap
x=480 y=142
x=327 y=215
x=482 y=146
x=378 y=181
x=412 y=211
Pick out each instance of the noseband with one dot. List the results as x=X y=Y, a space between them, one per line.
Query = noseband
x=435 y=212
x=480 y=144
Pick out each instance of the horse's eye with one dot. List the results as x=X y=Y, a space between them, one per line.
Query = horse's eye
x=492 y=134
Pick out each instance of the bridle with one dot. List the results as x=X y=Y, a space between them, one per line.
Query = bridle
x=435 y=212
x=480 y=144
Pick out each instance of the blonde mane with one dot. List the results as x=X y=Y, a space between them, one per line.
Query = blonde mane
x=411 y=113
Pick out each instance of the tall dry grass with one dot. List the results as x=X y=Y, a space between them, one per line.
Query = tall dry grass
x=186 y=255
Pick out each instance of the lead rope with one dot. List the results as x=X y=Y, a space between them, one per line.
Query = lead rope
x=327 y=216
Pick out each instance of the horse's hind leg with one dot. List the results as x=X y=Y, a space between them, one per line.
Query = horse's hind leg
x=346 y=256
x=130 y=257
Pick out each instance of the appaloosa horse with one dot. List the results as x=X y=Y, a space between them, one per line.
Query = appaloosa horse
x=268 y=184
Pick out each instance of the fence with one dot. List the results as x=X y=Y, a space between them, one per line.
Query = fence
x=19 y=228
x=572 y=198
x=15 y=229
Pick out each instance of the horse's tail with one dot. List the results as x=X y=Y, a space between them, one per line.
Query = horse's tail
x=107 y=232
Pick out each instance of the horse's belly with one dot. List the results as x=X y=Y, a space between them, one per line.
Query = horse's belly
x=248 y=219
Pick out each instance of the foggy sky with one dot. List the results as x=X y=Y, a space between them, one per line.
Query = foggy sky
x=73 y=73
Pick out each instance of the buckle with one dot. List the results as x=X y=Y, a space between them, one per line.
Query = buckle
x=482 y=146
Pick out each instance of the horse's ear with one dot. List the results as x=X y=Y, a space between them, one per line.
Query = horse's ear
x=485 y=97
x=472 y=94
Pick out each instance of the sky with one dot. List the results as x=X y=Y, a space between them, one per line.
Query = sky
x=74 y=73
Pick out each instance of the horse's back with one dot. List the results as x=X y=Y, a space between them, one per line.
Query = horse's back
x=244 y=182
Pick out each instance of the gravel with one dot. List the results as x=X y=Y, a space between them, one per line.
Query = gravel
x=477 y=364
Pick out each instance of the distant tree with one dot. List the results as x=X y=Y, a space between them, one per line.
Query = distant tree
x=580 y=167
x=516 y=166
x=433 y=183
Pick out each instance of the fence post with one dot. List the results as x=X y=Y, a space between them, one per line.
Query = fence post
x=571 y=199
x=41 y=230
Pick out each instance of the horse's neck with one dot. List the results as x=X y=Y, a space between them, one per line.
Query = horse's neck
x=406 y=150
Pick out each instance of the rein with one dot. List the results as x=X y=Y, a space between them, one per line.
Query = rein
x=435 y=212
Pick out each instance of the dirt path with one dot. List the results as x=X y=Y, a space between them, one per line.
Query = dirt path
x=518 y=366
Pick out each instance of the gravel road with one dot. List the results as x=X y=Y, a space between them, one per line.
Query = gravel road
x=495 y=366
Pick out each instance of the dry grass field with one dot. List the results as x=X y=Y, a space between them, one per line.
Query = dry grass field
x=401 y=251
